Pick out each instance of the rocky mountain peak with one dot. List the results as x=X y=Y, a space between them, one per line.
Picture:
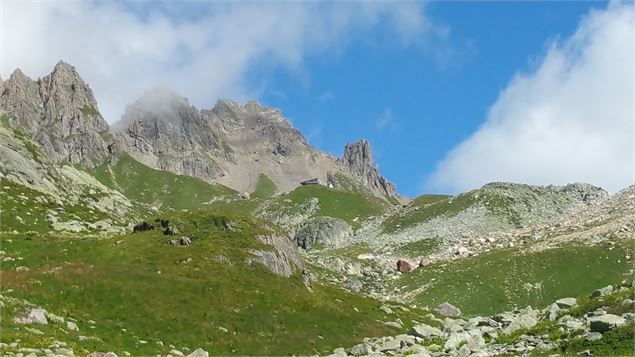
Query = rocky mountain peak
x=59 y=111
x=231 y=144
x=359 y=157
x=158 y=104
x=64 y=69
x=226 y=108
x=67 y=98
x=18 y=76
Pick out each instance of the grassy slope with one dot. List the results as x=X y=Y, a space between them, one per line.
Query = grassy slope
x=31 y=216
x=118 y=285
x=335 y=203
x=420 y=248
x=31 y=206
x=432 y=206
x=159 y=188
x=493 y=282
x=427 y=207
x=265 y=188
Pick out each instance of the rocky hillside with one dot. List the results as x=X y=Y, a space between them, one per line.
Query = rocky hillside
x=38 y=194
x=597 y=324
x=493 y=208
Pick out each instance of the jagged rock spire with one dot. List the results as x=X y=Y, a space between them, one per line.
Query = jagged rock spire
x=358 y=157
x=59 y=111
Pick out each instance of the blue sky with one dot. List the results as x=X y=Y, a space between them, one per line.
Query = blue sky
x=451 y=95
x=432 y=106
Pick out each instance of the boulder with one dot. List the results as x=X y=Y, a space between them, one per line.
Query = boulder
x=394 y=324
x=353 y=284
x=406 y=340
x=416 y=351
x=455 y=340
x=566 y=303
x=464 y=351
x=453 y=325
x=391 y=345
x=386 y=309
x=361 y=349
x=605 y=322
x=551 y=312
x=424 y=262
x=526 y=319
x=593 y=336
x=185 y=240
x=574 y=324
x=403 y=266
x=71 y=326
x=602 y=292
x=425 y=331
x=142 y=227
x=448 y=310
x=339 y=352
x=32 y=316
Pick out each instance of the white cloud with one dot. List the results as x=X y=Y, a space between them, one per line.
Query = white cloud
x=326 y=96
x=570 y=120
x=385 y=121
x=122 y=49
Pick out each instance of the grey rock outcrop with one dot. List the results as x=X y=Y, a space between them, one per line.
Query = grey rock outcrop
x=284 y=259
x=358 y=158
x=526 y=319
x=426 y=331
x=566 y=303
x=32 y=316
x=59 y=112
x=605 y=322
x=602 y=292
x=448 y=310
x=323 y=230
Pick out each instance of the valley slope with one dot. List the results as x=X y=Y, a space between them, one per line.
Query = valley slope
x=182 y=228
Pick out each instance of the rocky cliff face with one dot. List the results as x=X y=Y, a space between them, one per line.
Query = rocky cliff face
x=162 y=130
x=233 y=145
x=359 y=160
x=59 y=112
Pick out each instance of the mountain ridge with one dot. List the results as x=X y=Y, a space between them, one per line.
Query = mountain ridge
x=230 y=144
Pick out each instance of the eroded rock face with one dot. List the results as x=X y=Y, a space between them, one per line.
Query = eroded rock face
x=59 y=112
